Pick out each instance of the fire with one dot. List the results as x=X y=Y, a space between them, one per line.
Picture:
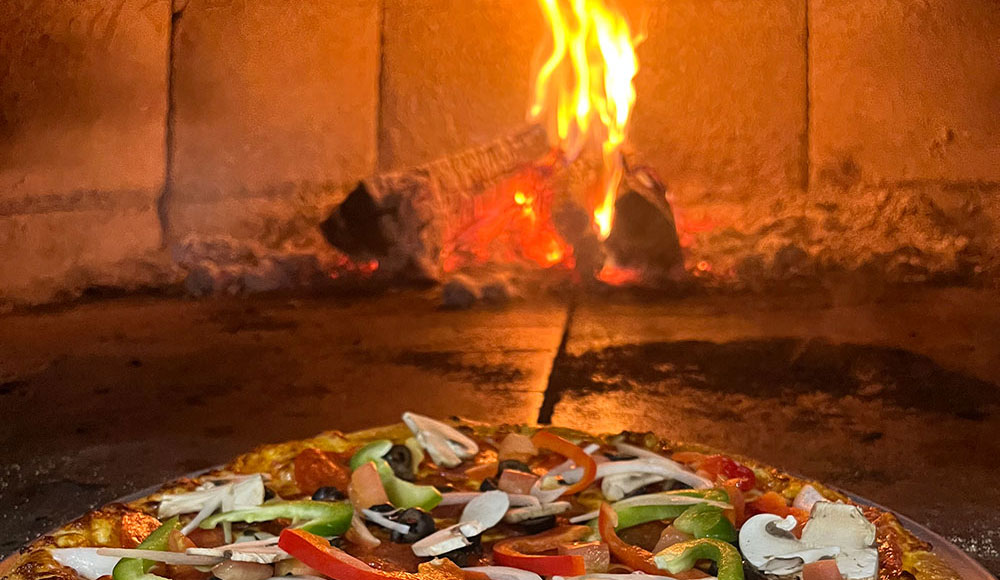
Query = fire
x=583 y=91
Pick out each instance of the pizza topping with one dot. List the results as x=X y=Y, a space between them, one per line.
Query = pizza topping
x=632 y=556
x=384 y=521
x=463 y=497
x=616 y=487
x=486 y=510
x=504 y=573
x=328 y=493
x=370 y=452
x=360 y=535
x=314 y=469
x=706 y=521
x=421 y=525
x=230 y=570
x=580 y=457
x=661 y=466
x=660 y=506
x=834 y=530
x=524 y=514
x=366 y=487
x=596 y=557
x=524 y=552
x=441 y=542
x=404 y=494
x=320 y=517
x=243 y=492
x=400 y=459
x=683 y=556
x=446 y=445
x=518 y=482
x=86 y=561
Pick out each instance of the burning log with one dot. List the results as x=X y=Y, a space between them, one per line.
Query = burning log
x=644 y=237
x=405 y=219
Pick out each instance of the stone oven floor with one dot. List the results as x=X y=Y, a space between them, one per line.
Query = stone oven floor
x=897 y=401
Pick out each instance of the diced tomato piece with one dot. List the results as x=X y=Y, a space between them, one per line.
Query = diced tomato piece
x=721 y=466
x=135 y=526
x=821 y=570
x=596 y=556
x=315 y=469
x=366 y=487
x=513 y=481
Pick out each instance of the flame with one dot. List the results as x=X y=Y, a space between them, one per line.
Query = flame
x=583 y=91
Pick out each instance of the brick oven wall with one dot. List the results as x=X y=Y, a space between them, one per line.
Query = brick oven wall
x=132 y=131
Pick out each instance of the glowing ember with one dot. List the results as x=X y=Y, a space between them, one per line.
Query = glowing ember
x=583 y=91
x=617 y=276
x=511 y=223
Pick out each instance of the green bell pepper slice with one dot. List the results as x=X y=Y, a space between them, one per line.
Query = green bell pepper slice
x=684 y=555
x=374 y=450
x=159 y=540
x=404 y=494
x=322 y=518
x=635 y=515
x=706 y=521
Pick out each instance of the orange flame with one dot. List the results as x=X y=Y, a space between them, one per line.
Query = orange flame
x=583 y=90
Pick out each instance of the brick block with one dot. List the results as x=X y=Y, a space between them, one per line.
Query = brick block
x=271 y=96
x=905 y=90
x=82 y=122
x=456 y=74
x=721 y=95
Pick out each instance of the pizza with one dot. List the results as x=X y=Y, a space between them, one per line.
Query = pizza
x=459 y=500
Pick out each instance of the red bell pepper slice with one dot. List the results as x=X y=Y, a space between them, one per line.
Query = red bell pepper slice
x=317 y=553
x=522 y=552
x=571 y=451
x=633 y=556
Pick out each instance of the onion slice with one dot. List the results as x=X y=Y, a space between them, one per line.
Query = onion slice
x=461 y=497
x=385 y=522
x=667 y=498
x=85 y=561
x=173 y=558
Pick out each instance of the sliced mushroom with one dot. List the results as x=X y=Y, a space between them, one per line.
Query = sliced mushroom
x=487 y=510
x=441 y=542
x=446 y=445
x=807 y=498
x=834 y=530
x=531 y=512
x=615 y=487
x=766 y=537
x=846 y=527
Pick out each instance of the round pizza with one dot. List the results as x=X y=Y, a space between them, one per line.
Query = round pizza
x=457 y=500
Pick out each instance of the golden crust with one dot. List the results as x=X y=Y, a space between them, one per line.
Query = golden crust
x=98 y=528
